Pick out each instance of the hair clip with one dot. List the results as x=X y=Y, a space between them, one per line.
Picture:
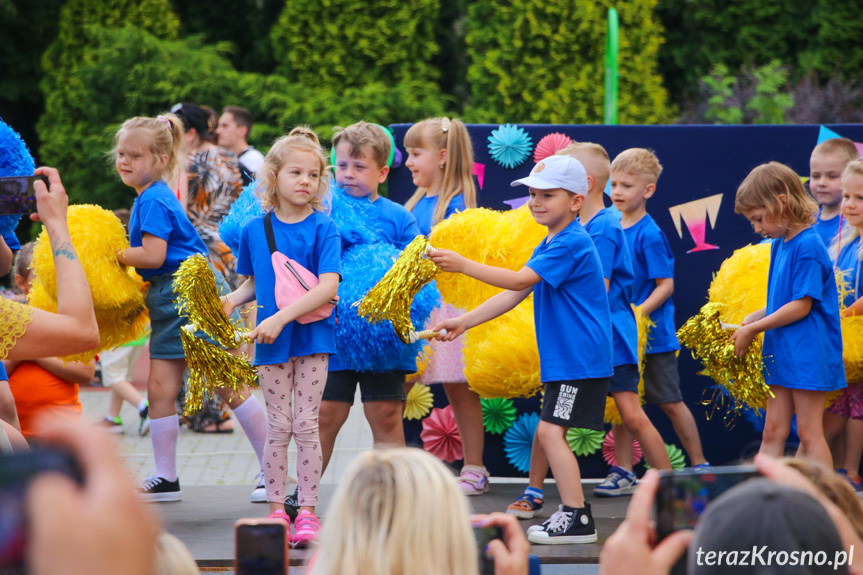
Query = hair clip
x=444 y=125
x=165 y=121
x=176 y=108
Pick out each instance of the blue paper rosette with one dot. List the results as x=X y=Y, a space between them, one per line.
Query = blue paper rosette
x=509 y=145
x=244 y=208
x=518 y=441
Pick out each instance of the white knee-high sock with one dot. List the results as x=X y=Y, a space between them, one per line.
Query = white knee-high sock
x=253 y=420
x=163 y=434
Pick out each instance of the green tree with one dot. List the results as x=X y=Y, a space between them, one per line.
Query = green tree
x=736 y=33
x=130 y=72
x=343 y=43
x=543 y=61
x=835 y=47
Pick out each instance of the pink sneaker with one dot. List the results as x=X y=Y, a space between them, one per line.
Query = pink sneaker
x=279 y=514
x=306 y=527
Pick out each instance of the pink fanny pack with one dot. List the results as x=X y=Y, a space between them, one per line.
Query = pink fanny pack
x=293 y=280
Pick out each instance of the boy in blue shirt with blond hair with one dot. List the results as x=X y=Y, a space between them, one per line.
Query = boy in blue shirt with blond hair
x=570 y=304
x=634 y=173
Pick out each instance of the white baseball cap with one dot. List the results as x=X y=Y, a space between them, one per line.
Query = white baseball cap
x=557 y=172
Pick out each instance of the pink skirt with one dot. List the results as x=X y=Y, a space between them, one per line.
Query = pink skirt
x=446 y=364
x=850 y=402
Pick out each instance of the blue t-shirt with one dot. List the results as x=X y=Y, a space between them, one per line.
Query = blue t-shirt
x=315 y=244
x=651 y=260
x=827 y=229
x=607 y=234
x=806 y=354
x=399 y=228
x=12 y=241
x=397 y=223
x=3 y=375
x=570 y=308
x=849 y=263
x=424 y=210
x=157 y=211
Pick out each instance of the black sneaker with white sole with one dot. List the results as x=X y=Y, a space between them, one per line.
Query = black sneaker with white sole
x=156 y=488
x=292 y=503
x=566 y=526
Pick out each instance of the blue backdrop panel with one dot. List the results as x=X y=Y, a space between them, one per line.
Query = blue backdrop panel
x=699 y=162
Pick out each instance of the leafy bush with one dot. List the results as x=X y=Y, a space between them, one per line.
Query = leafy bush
x=132 y=73
x=345 y=43
x=544 y=61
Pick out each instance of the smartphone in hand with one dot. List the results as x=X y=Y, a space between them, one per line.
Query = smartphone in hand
x=17 y=195
x=261 y=547
x=17 y=470
x=484 y=536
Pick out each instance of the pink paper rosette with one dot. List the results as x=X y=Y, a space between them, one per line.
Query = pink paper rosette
x=550 y=145
x=440 y=435
x=611 y=457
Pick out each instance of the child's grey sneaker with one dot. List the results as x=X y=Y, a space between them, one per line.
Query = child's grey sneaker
x=619 y=482
x=259 y=495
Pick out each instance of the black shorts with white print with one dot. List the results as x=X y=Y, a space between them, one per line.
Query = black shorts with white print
x=577 y=403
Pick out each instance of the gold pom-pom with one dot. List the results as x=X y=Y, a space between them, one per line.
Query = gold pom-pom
x=742 y=377
x=117 y=290
x=212 y=368
x=391 y=298
x=500 y=239
x=423 y=359
x=852 y=348
x=198 y=300
x=501 y=356
x=419 y=402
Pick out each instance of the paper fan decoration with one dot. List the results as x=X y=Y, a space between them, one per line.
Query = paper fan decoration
x=509 y=145
x=497 y=414
x=440 y=435
x=419 y=402
x=549 y=145
x=518 y=441
x=611 y=457
x=584 y=441
x=675 y=455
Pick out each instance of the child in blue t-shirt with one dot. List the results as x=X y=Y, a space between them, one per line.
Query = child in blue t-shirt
x=292 y=357
x=570 y=305
x=161 y=237
x=802 y=339
x=362 y=153
x=440 y=158
x=634 y=174
x=826 y=164
x=846 y=411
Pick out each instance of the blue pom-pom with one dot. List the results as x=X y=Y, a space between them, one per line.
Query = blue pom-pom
x=15 y=158
x=375 y=347
x=8 y=224
x=357 y=219
x=244 y=208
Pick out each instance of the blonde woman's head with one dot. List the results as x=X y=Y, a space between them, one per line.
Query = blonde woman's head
x=398 y=512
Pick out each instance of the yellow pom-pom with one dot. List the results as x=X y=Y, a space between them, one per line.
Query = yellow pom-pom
x=643 y=325
x=740 y=285
x=117 y=291
x=852 y=348
x=97 y=234
x=501 y=357
x=500 y=239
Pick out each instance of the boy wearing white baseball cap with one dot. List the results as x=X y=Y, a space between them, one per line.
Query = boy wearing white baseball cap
x=573 y=330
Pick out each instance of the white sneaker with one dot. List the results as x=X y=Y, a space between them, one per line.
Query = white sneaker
x=259 y=495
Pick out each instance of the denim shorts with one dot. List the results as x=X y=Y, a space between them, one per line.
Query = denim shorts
x=385 y=386
x=165 y=319
x=625 y=378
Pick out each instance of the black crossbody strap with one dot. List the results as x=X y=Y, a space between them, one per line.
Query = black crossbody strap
x=268 y=230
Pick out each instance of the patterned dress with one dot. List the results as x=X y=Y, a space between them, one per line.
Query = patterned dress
x=214 y=184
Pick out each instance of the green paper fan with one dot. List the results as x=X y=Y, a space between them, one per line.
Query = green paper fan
x=584 y=441
x=675 y=455
x=497 y=414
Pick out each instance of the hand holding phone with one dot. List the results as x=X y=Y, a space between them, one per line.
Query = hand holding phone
x=261 y=547
x=502 y=543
